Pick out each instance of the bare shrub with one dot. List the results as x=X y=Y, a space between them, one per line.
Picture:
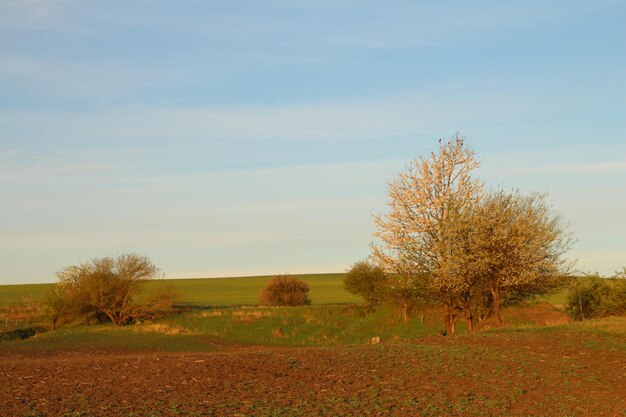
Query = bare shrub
x=285 y=290
x=110 y=288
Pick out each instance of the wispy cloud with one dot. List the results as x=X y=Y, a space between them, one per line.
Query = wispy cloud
x=47 y=172
x=26 y=165
x=218 y=39
x=425 y=111
x=39 y=15
x=555 y=168
x=306 y=26
x=67 y=79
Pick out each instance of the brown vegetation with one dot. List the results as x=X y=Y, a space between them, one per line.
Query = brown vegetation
x=109 y=288
x=285 y=290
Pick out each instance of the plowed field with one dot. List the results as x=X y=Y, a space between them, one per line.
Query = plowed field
x=506 y=374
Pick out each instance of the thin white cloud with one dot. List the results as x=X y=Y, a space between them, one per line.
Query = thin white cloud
x=39 y=15
x=426 y=111
x=74 y=79
x=299 y=34
x=591 y=168
x=24 y=167
x=303 y=27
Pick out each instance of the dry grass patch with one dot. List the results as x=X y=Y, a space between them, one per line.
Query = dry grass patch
x=607 y=325
x=160 y=328
x=249 y=316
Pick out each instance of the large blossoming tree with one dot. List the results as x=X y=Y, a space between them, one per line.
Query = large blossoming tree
x=461 y=247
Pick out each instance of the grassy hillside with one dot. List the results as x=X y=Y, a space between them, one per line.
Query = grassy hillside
x=13 y=294
x=325 y=289
x=321 y=325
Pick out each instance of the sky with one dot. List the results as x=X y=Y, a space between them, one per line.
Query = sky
x=229 y=138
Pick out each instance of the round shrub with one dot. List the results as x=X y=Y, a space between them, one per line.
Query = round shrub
x=368 y=281
x=597 y=297
x=285 y=290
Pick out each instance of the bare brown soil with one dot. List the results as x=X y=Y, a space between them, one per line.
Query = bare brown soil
x=506 y=374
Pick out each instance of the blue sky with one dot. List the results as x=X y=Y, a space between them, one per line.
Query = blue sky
x=233 y=138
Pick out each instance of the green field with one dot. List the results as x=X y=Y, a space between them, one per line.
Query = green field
x=205 y=329
x=317 y=325
x=334 y=318
x=13 y=294
x=325 y=289
x=239 y=291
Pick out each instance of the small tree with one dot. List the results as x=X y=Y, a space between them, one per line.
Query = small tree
x=62 y=304
x=285 y=290
x=368 y=281
x=586 y=297
x=110 y=287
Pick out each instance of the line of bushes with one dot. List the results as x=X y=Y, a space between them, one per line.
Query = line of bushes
x=589 y=297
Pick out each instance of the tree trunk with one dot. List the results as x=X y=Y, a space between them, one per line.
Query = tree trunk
x=470 y=323
x=112 y=316
x=495 y=292
x=54 y=323
x=100 y=316
x=450 y=319
x=405 y=311
x=580 y=306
